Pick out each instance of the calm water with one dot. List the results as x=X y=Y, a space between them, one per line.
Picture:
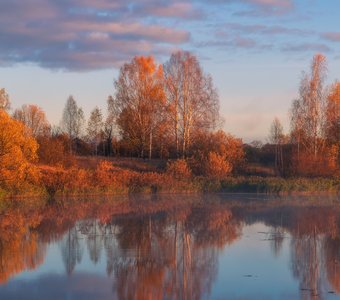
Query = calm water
x=172 y=247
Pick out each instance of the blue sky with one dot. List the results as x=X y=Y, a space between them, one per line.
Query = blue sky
x=254 y=49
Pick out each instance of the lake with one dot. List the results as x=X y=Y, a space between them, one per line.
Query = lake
x=172 y=247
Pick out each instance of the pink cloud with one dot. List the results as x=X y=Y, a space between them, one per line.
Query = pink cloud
x=266 y=7
x=177 y=10
x=304 y=47
x=331 y=36
x=85 y=34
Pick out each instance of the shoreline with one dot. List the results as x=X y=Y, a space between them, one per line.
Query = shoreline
x=249 y=185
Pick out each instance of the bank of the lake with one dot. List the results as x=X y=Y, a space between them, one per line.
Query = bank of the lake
x=104 y=180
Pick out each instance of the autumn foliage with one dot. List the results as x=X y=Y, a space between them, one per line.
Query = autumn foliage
x=18 y=153
x=315 y=120
x=168 y=113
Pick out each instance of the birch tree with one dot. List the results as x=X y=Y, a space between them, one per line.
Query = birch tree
x=332 y=124
x=33 y=117
x=73 y=118
x=191 y=98
x=95 y=127
x=110 y=124
x=4 y=100
x=276 y=137
x=139 y=99
x=308 y=111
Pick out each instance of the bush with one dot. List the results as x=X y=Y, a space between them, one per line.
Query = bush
x=178 y=169
x=216 y=166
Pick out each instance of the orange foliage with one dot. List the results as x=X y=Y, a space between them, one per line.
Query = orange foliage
x=216 y=166
x=53 y=179
x=178 y=169
x=323 y=164
x=224 y=146
x=54 y=150
x=333 y=116
x=20 y=248
x=18 y=151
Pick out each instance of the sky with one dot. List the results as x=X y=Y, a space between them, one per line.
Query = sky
x=255 y=50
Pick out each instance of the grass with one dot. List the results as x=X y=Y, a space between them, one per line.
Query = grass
x=131 y=176
x=278 y=185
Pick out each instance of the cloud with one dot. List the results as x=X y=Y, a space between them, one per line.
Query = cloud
x=270 y=30
x=83 y=286
x=87 y=34
x=262 y=7
x=306 y=47
x=331 y=36
x=234 y=43
x=184 y=10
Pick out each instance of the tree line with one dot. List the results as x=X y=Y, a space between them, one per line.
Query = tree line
x=171 y=110
x=156 y=111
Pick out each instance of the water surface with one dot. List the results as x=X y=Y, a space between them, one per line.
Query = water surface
x=172 y=247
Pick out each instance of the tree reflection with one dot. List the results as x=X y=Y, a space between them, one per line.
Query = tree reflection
x=171 y=256
x=71 y=250
x=20 y=247
x=160 y=249
x=332 y=250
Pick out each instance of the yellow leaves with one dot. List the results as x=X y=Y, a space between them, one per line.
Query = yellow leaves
x=18 y=150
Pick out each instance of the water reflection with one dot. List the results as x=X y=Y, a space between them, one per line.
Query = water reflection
x=167 y=248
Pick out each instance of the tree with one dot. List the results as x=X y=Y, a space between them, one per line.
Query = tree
x=212 y=147
x=4 y=100
x=332 y=126
x=139 y=100
x=33 y=117
x=73 y=119
x=18 y=151
x=307 y=112
x=276 y=137
x=95 y=127
x=192 y=99
x=296 y=125
x=110 y=123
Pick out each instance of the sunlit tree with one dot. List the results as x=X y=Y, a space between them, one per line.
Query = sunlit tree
x=18 y=151
x=4 y=100
x=307 y=112
x=192 y=99
x=139 y=100
x=34 y=118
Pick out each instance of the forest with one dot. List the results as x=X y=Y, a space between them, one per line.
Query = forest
x=162 y=132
